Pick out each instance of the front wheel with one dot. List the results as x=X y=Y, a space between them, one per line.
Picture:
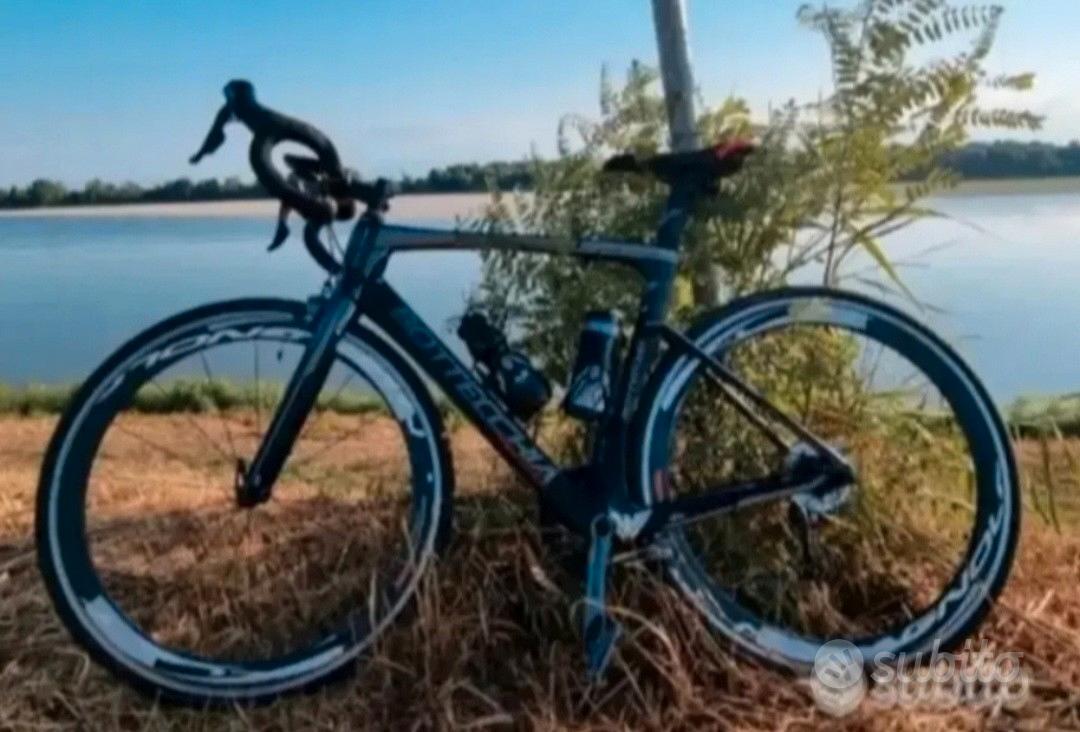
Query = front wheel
x=161 y=574
x=907 y=557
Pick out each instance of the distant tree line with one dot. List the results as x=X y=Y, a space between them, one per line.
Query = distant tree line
x=977 y=160
x=44 y=192
x=460 y=178
x=1003 y=159
x=470 y=177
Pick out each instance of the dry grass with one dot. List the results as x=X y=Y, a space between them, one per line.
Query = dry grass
x=496 y=643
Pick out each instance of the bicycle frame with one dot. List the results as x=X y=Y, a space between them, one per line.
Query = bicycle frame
x=575 y=505
x=360 y=291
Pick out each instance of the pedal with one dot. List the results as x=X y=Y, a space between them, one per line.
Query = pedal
x=600 y=631
x=601 y=636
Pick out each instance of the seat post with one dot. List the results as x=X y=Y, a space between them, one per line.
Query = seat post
x=676 y=216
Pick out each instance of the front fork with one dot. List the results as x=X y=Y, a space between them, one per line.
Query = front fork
x=254 y=483
x=336 y=310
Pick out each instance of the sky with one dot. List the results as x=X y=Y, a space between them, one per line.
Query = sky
x=126 y=91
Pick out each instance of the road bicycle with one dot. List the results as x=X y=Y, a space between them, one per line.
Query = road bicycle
x=802 y=464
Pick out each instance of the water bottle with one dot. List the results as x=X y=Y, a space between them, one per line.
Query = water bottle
x=523 y=388
x=591 y=378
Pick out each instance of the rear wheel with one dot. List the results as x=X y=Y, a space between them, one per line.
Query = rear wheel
x=909 y=555
x=163 y=577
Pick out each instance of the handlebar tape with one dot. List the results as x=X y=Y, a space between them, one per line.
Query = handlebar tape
x=269 y=128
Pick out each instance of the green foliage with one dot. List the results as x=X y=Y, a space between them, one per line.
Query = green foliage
x=1045 y=415
x=894 y=112
x=912 y=471
x=34 y=399
x=823 y=186
x=574 y=200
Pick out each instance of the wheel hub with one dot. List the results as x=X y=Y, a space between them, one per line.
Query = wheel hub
x=804 y=463
x=247 y=495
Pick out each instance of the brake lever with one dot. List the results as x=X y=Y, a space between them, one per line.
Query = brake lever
x=215 y=138
x=281 y=233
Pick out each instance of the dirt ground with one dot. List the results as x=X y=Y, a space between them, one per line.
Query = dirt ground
x=496 y=642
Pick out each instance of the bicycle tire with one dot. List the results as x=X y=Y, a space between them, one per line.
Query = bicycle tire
x=77 y=593
x=965 y=601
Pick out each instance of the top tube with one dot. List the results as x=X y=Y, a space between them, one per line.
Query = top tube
x=395 y=238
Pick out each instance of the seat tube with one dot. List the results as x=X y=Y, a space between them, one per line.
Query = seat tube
x=660 y=277
x=659 y=280
x=676 y=216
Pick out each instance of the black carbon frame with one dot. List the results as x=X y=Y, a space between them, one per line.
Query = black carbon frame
x=577 y=497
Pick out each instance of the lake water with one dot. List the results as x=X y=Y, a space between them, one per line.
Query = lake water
x=72 y=289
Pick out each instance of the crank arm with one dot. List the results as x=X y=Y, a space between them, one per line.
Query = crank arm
x=600 y=631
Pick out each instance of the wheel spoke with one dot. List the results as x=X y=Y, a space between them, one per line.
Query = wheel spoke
x=858 y=557
x=151 y=443
x=217 y=405
x=195 y=425
x=309 y=428
x=184 y=569
x=325 y=449
x=258 y=394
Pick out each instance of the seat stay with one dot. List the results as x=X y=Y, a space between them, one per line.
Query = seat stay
x=742 y=395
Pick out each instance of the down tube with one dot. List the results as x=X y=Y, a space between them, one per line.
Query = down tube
x=386 y=308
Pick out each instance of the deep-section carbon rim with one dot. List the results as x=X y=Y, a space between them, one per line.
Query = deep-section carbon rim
x=65 y=557
x=988 y=556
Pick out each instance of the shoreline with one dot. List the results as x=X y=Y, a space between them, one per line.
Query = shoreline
x=1013 y=187
x=407 y=206
x=1027 y=410
x=448 y=205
